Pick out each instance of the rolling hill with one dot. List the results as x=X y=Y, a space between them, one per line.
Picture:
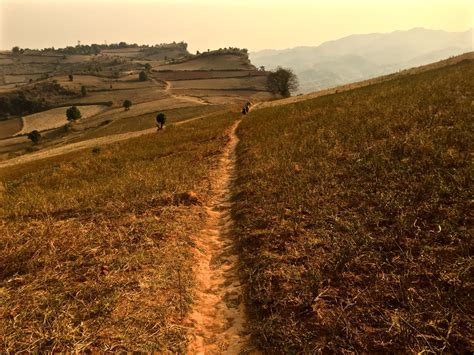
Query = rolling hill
x=352 y=218
x=37 y=87
x=360 y=57
x=335 y=222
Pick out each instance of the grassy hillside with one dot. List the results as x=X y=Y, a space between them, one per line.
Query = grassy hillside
x=96 y=245
x=354 y=222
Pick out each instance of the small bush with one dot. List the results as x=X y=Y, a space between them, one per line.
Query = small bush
x=143 y=76
x=73 y=113
x=127 y=104
x=34 y=136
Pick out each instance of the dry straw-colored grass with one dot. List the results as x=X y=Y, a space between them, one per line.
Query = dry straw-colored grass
x=55 y=118
x=355 y=223
x=96 y=245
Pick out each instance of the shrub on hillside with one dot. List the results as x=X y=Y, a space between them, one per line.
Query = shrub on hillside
x=127 y=104
x=34 y=136
x=143 y=76
x=73 y=113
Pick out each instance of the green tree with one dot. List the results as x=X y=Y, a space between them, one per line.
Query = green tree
x=127 y=104
x=282 y=81
x=16 y=50
x=147 y=66
x=83 y=90
x=143 y=76
x=71 y=77
x=34 y=136
x=160 y=120
x=73 y=113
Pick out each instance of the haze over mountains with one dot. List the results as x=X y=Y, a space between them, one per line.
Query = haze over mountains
x=360 y=57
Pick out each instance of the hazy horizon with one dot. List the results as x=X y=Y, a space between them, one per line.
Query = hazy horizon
x=255 y=25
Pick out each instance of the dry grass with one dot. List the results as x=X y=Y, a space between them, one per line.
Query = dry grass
x=10 y=127
x=147 y=120
x=96 y=244
x=249 y=82
x=354 y=212
x=215 y=62
x=138 y=95
x=205 y=74
x=55 y=118
x=97 y=83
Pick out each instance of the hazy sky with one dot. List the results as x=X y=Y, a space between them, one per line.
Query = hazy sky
x=254 y=24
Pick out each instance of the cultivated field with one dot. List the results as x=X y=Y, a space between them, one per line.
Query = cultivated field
x=55 y=118
x=246 y=83
x=353 y=217
x=10 y=127
x=211 y=62
x=97 y=245
x=204 y=74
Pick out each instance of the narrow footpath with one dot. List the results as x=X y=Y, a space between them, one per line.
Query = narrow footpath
x=218 y=317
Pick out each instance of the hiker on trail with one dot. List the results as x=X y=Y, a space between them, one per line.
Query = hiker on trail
x=160 y=120
x=246 y=108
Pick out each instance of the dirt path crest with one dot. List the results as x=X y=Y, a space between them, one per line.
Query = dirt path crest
x=218 y=317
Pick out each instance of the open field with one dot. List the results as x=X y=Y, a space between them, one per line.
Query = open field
x=55 y=118
x=254 y=82
x=149 y=107
x=10 y=127
x=353 y=212
x=93 y=83
x=212 y=62
x=148 y=120
x=205 y=74
x=118 y=96
x=97 y=246
x=221 y=96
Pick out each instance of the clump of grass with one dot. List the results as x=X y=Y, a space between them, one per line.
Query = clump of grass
x=353 y=216
x=96 y=252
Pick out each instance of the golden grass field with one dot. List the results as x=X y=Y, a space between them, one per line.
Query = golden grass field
x=97 y=244
x=353 y=218
x=347 y=213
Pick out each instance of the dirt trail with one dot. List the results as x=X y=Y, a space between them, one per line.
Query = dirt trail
x=218 y=317
x=194 y=99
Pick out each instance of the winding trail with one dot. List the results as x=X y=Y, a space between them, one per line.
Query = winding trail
x=218 y=317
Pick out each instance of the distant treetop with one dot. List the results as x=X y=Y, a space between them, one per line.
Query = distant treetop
x=91 y=49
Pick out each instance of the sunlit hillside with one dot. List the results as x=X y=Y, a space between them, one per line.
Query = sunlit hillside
x=352 y=215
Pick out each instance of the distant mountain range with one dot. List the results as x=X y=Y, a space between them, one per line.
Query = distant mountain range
x=360 y=57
